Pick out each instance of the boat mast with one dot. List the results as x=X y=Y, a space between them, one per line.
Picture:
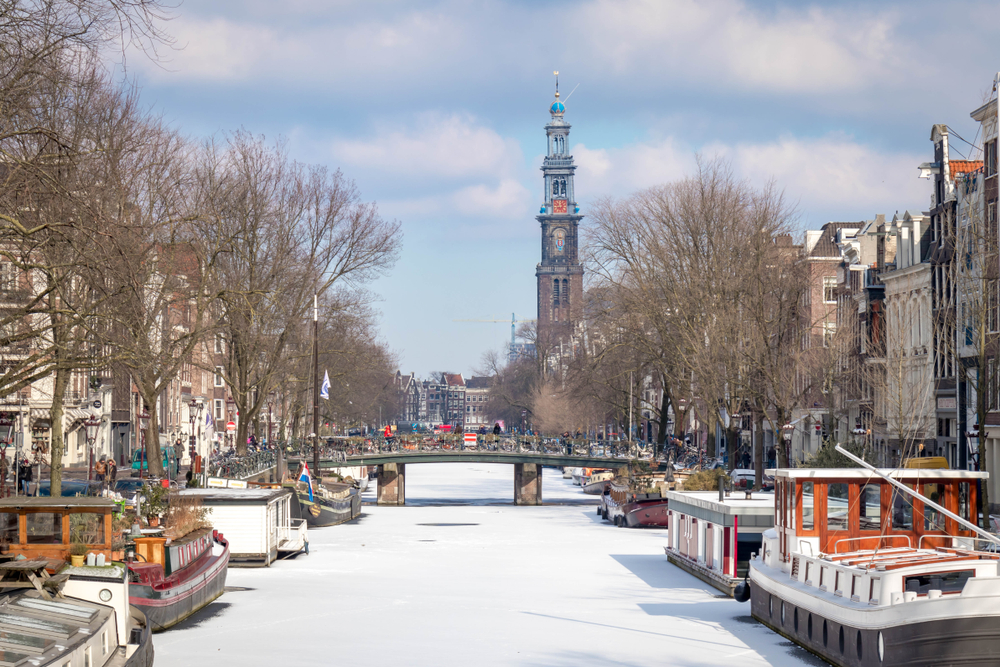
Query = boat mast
x=315 y=391
x=927 y=501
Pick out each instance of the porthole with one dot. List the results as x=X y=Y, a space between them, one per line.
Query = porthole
x=105 y=595
x=795 y=619
x=881 y=648
x=859 y=644
x=782 y=612
x=809 y=626
x=824 y=632
x=841 y=639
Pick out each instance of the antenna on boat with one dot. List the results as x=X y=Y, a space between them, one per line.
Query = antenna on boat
x=927 y=501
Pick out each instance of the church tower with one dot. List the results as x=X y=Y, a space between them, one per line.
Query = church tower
x=559 y=274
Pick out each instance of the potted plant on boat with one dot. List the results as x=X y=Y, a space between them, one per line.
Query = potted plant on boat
x=154 y=504
x=77 y=553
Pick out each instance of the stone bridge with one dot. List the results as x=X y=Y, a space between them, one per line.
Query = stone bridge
x=527 y=468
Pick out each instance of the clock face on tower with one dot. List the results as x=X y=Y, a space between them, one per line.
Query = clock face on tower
x=558 y=205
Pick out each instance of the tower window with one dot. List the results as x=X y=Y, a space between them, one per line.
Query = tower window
x=555 y=292
x=565 y=292
x=555 y=187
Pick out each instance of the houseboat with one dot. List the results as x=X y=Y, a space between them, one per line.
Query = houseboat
x=867 y=567
x=712 y=535
x=177 y=577
x=256 y=522
x=594 y=483
x=646 y=510
x=613 y=500
x=330 y=503
x=79 y=616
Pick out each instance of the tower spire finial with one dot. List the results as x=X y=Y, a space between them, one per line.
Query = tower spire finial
x=557 y=109
x=556 y=74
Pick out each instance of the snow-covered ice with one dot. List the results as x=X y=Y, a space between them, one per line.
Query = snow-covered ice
x=461 y=576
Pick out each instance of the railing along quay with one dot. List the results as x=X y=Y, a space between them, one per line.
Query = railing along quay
x=343 y=448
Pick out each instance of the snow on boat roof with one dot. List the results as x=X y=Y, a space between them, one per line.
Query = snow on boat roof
x=923 y=474
x=235 y=495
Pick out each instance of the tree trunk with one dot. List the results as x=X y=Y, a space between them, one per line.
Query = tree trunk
x=242 y=426
x=661 y=432
x=732 y=435
x=154 y=455
x=781 y=445
x=58 y=438
x=758 y=456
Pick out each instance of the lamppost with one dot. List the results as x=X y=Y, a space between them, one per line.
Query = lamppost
x=6 y=437
x=92 y=424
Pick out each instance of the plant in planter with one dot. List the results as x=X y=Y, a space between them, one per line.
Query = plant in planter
x=77 y=553
x=155 y=503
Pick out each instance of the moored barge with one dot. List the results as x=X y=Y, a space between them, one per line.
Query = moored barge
x=867 y=568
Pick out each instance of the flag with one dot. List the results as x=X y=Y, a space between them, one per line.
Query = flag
x=208 y=419
x=324 y=391
x=304 y=476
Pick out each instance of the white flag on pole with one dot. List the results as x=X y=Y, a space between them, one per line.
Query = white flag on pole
x=324 y=391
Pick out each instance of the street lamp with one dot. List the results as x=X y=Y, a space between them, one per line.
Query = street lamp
x=92 y=424
x=143 y=425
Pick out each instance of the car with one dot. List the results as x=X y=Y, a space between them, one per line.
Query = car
x=743 y=478
x=171 y=464
x=354 y=431
x=72 y=487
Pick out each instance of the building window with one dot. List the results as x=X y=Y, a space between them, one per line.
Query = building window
x=829 y=331
x=829 y=287
x=218 y=409
x=219 y=344
x=218 y=376
x=8 y=277
x=990 y=157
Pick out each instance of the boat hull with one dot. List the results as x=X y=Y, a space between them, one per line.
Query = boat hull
x=141 y=639
x=967 y=641
x=646 y=515
x=322 y=512
x=595 y=488
x=167 y=605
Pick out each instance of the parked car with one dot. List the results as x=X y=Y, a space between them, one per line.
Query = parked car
x=171 y=464
x=743 y=478
x=72 y=487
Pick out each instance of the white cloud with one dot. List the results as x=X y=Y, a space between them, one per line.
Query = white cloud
x=453 y=147
x=833 y=173
x=738 y=44
x=617 y=171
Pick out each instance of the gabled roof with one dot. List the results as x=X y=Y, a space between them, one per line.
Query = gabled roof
x=478 y=382
x=826 y=246
x=454 y=379
x=964 y=166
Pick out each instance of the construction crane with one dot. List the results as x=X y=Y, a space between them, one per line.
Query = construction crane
x=513 y=326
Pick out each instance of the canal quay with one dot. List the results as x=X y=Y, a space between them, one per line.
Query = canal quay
x=461 y=576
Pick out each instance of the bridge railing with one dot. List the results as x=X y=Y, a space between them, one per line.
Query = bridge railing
x=342 y=449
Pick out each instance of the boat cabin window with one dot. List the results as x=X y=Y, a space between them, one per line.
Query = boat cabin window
x=933 y=520
x=902 y=510
x=808 y=520
x=86 y=528
x=44 y=528
x=870 y=507
x=963 y=500
x=836 y=506
x=946 y=582
x=9 y=528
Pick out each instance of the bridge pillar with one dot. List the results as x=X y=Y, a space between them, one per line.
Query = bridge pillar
x=527 y=484
x=392 y=484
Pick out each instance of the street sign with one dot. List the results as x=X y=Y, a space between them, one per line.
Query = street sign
x=97 y=405
x=470 y=438
x=230 y=426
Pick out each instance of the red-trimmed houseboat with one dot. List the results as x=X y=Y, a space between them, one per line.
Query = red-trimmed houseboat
x=646 y=510
x=879 y=568
x=176 y=579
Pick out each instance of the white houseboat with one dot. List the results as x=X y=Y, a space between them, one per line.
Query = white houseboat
x=867 y=567
x=713 y=535
x=257 y=522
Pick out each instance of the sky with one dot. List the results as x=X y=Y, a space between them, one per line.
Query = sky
x=436 y=110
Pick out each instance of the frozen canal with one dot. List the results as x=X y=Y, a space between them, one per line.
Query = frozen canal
x=443 y=583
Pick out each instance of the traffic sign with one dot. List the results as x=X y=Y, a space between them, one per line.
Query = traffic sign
x=230 y=426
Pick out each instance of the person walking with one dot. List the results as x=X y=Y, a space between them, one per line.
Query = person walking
x=24 y=476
